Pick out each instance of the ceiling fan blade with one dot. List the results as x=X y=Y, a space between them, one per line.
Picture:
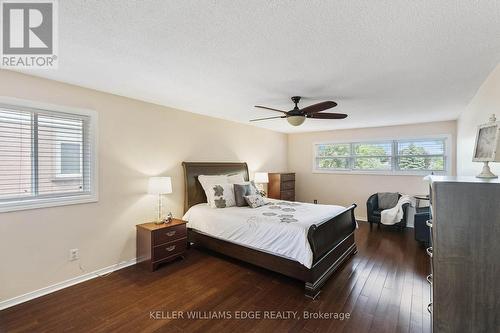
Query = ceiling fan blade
x=322 y=115
x=268 y=118
x=265 y=107
x=318 y=107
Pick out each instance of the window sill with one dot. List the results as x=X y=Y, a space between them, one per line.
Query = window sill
x=47 y=202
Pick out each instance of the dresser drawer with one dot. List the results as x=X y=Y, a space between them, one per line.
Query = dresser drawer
x=286 y=177
x=167 y=235
x=288 y=195
x=164 y=251
x=288 y=185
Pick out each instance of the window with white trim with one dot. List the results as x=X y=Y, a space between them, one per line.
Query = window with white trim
x=405 y=156
x=47 y=157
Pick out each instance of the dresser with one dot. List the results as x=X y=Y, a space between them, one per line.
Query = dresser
x=465 y=255
x=160 y=243
x=281 y=186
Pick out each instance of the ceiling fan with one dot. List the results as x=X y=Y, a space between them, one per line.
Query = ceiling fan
x=296 y=116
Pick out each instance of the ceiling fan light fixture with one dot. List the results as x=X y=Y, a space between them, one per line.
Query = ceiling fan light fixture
x=296 y=120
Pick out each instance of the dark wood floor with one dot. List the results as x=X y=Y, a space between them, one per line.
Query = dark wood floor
x=383 y=287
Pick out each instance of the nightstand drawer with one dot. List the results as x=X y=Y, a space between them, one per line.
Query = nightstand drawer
x=170 y=249
x=169 y=234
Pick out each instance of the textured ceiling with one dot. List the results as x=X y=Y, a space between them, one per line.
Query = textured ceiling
x=384 y=62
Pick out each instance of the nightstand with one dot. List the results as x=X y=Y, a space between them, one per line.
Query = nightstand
x=159 y=243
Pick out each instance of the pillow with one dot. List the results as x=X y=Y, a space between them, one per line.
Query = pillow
x=387 y=200
x=221 y=195
x=255 y=200
x=207 y=181
x=240 y=191
x=237 y=178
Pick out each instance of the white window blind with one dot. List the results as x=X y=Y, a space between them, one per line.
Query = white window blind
x=408 y=156
x=45 y=157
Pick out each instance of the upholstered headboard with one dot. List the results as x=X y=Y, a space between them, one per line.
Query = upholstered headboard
x=194 y=193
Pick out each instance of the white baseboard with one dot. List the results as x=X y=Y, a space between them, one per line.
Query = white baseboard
x=64 y=284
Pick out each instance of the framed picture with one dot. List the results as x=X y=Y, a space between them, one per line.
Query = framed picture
x=487 y=143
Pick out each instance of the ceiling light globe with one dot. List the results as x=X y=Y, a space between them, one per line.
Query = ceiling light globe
x=296 y=120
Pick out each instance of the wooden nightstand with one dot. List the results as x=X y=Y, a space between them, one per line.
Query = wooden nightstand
x=159 y=243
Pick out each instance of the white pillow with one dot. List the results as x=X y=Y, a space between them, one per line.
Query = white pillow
x=221 y=195
x=236 y=179
x=207 y=181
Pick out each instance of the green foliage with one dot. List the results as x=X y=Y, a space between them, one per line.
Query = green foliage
x=334 y=150
x=419 y=162
x=333 y=163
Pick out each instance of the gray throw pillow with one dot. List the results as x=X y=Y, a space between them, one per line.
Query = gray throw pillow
x=387 y=200
x=242 y=190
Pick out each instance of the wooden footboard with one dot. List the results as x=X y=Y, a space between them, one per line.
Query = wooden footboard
x=332 y=242
x=323 y=237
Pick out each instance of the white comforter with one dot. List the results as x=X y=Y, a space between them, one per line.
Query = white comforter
x=279 y=228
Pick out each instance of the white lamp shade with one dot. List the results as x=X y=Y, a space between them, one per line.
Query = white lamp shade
x=261 y=178
x=160 y=185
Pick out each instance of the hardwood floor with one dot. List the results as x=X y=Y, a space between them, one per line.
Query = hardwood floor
x=383 y=287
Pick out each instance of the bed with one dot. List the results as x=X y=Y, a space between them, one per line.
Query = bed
x=329 y=240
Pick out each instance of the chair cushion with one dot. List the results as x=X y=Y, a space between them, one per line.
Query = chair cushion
x=377 y=213
x=387 y=200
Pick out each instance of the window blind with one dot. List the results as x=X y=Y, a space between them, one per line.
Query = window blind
x=44 y=154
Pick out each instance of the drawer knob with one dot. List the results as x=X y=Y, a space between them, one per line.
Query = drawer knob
x=429 y=251
x=429 y=278
x=170 y=233
x=429 y=223
x=170 y=248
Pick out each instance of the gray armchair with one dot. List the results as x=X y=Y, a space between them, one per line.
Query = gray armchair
x=374 y=212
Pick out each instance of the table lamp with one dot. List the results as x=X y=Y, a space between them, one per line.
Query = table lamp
x=159 y=186
x=261 y=178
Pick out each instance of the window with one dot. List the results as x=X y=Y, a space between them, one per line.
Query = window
x=47 y=156
x=408 y=156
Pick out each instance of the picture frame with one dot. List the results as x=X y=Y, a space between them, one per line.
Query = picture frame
x=487 y=143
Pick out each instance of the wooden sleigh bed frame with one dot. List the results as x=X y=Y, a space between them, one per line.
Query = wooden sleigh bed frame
x=332 y=242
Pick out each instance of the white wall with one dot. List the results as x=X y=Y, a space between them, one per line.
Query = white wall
x=485 y=102
x=345 y=189
x=136 y=140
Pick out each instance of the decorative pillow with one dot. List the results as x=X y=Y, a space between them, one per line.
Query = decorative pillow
x=255 y=200
x=221 y=195
x=207 y=181
x=387 y=200
x=240 y=191
x=237 y=178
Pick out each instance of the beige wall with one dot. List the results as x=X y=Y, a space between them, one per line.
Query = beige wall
x=344 y=189
x=485 y=102
x=136 y=140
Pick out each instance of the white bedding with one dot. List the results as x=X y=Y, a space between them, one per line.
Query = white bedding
x=279 y=228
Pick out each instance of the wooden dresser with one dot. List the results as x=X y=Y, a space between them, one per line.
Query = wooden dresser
x=281 y=186
x=159 y=243
x=465 y=251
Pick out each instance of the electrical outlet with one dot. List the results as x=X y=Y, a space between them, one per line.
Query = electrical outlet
x=74 y=254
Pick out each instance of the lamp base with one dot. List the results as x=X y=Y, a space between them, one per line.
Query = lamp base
x=486 y=172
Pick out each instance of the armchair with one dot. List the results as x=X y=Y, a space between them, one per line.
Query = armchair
x=373 y=212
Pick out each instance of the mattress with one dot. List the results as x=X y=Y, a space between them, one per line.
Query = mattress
x=279 y=228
